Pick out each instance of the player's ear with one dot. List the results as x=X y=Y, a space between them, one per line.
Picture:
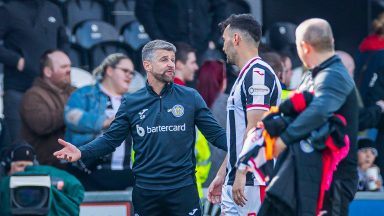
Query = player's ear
x=147 y=66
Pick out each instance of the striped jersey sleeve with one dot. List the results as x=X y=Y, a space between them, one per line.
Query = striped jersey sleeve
x=259 y=88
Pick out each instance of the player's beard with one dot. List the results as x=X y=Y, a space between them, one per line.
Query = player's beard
x=231 y=55
x=163 y=77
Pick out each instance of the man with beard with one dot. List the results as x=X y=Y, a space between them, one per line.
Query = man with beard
x=42 y=107
x=256 y=89
x=161 y=120
x=27 y=30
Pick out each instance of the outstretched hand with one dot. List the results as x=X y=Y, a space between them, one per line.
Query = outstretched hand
x=214 y=190
x=69 y=152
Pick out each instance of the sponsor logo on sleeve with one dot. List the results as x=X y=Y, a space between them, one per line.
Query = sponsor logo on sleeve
x=259 y=71
x=258 y=90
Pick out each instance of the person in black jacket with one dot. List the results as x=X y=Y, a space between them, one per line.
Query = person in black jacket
x=335 y=93
x=27 y=28
x=190 y=21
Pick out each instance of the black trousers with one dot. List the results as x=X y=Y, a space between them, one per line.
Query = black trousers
x=181 y=201
x=12 y=102
x=337 y=199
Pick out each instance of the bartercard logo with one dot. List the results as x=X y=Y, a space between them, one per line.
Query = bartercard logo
x=160 y=128
x=140 y=131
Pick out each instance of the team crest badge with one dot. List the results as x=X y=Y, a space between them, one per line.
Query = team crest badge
x=306 y=146
x=177 y=110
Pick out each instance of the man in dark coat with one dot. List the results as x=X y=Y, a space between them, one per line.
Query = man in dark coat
x=334 y=92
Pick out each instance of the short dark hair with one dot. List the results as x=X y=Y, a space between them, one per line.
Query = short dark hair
x=378 y=24
x=183 y=49
x=46 y=61
x=243 y=22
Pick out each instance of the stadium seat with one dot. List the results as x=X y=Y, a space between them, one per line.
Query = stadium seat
x=122 y=12
x=281 y=38
x=77 y=11
x=62 y=5
x=77 y=56
x=281 y=35
x=80 y=78
x=138 y=82
x=91 y=32
x=134 y=35
x=100 y=51
x=238 y=7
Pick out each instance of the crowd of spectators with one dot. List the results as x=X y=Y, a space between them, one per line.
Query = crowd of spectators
x=41 y=106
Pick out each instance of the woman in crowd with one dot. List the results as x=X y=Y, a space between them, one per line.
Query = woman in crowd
x=89 y=111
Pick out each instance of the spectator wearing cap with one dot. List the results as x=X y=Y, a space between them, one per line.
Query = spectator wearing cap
x=66 y=192
x=369 y=174
x=21 y=156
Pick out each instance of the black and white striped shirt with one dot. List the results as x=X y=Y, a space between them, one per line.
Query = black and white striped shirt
x=256 y=87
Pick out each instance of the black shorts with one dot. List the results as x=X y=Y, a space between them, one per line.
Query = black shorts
x=182 y=201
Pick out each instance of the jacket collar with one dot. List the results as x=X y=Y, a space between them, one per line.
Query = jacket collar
x=166 y=89
x=324 y=65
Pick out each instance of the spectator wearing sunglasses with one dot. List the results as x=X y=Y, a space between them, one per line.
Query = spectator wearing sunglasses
x=89 y=112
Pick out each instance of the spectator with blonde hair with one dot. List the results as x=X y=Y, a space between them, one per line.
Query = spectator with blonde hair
x=89 y=111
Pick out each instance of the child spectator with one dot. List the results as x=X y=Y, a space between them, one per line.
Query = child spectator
x=369 y=174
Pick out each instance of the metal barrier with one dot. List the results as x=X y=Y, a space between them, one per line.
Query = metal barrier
x=103 y=203
x=367 y=203
x=119 y=203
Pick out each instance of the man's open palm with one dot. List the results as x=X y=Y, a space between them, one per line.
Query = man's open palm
x=69 y=152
